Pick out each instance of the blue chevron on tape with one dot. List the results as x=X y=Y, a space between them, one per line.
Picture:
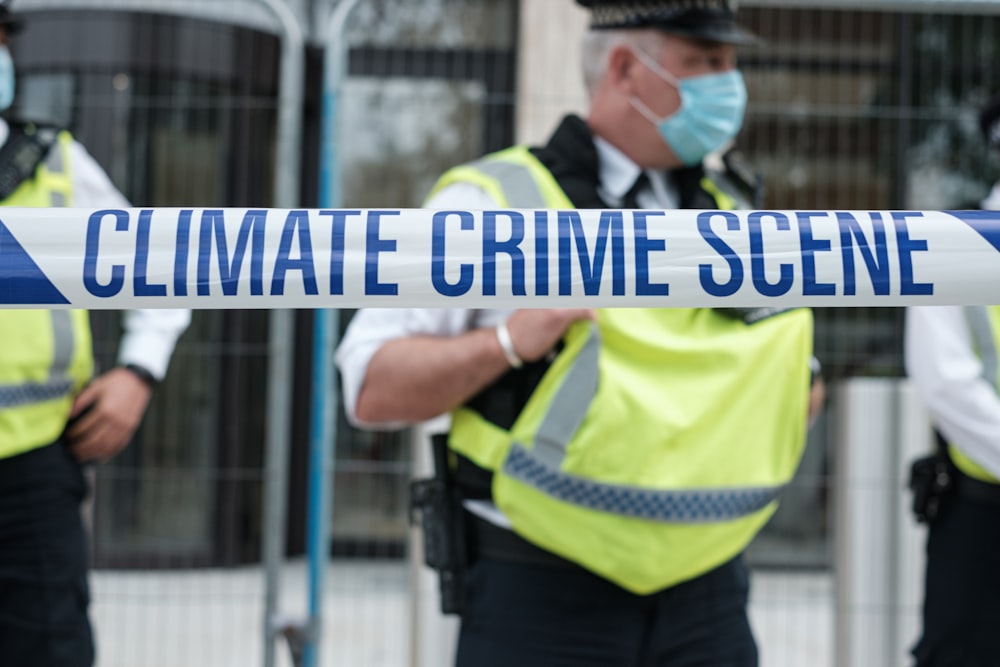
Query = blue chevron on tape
x=986 y=223
x=21 y=281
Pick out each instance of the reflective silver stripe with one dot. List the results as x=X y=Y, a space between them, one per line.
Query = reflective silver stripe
x=62 y=344
x=515 y=180
x=982 y=333
x=54 y=160
x=55 y=164
x=26 y=394
x=59 y=383
x=540 y=466
x=570 y=404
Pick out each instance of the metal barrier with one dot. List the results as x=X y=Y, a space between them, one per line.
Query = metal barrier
x=862 y=105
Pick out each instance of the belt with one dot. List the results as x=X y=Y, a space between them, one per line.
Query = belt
x=492 y=542
x=976 y=490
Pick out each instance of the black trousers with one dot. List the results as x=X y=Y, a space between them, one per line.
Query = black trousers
x=43 y=562
x=961 y=612
x=533 y=615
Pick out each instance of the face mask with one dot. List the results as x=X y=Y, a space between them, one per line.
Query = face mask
x=6 y=79
x=711 y=111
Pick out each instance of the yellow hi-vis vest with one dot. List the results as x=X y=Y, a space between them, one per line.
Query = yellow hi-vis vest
x=654 y=446
x=984 y=324
x=45 y=355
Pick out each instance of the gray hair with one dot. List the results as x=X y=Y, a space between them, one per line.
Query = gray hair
x=597 y=46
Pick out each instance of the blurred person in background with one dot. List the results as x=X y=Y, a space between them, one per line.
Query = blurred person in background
x=55 y=416
x=614 y=464
x=952 y=359
x=989 y=126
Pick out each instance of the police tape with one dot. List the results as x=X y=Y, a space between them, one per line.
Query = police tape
x=340 y=258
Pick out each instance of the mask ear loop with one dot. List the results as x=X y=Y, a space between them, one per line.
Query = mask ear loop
x=657 y=69
x=666 y=76
x=644 y=109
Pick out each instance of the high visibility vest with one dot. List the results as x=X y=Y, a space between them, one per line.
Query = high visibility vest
x=984 y=324
x=45 y=355
x=655 y=445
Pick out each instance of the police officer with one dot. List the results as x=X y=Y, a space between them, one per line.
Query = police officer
x=952 y=361
x=54 y=415
x=614 y=464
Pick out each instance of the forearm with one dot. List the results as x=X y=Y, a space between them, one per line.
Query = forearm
x=418 y=378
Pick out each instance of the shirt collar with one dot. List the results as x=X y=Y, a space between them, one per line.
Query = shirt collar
x=617 y=172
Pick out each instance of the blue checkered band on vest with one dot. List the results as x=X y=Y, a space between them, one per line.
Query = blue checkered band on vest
x=26 y=394
x=686 y=506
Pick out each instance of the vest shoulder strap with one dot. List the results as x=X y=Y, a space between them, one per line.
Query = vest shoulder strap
x=740 y=180
x=27 y=146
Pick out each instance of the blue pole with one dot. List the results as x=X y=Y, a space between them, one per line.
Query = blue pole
x=329 y=169
x=326 y=332
x=321 y=451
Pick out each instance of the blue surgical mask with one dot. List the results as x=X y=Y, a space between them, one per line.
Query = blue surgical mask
x=6 y=78
x=711 y=111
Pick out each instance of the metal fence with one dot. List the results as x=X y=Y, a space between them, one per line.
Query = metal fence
x=862 y=105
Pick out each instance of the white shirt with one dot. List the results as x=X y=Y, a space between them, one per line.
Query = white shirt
x=992 y=201
x=149 y=336
x=948 y=376
x=373 y=327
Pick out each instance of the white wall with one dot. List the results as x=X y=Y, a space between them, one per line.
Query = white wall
x=550 y=82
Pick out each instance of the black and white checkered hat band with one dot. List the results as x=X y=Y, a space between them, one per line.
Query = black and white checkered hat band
x=642 y=13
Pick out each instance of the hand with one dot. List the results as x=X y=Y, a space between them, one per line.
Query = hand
x=817 y=395
x=109 y=410
x=536 y=331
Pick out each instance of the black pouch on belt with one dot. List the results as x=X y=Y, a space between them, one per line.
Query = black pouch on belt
x=436 y=505
x=932 y=480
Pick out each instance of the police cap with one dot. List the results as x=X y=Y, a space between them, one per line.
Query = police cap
x=989 y=122
x=713 y=20
x=10 y=21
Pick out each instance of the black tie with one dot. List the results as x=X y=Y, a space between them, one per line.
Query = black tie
x=630 y=198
